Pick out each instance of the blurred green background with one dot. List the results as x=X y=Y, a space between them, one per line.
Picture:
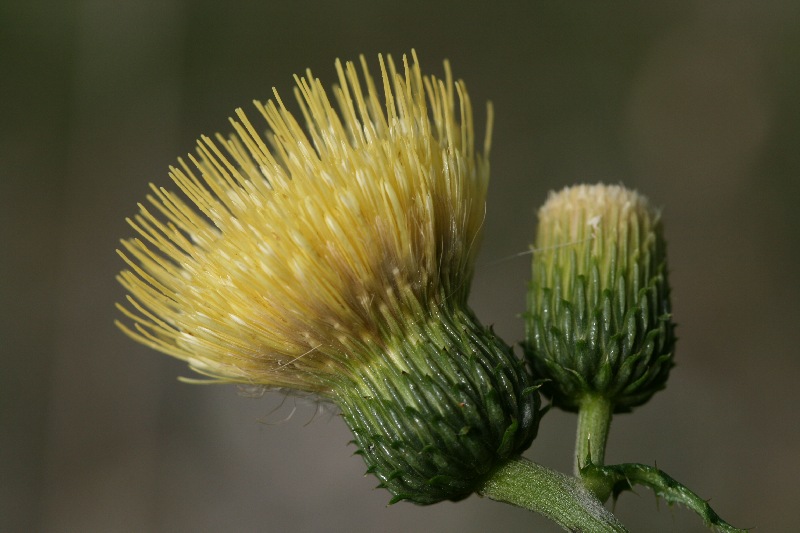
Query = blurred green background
x=694 y=103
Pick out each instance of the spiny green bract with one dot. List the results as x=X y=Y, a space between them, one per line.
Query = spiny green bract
x=435 y=432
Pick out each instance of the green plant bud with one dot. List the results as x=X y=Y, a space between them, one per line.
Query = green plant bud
x=462 y=408
x=599 y=322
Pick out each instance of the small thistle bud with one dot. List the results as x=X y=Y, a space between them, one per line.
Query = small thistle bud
x=598 y=322
x=336 y=260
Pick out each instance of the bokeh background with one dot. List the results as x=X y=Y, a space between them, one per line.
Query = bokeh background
x=694 y=103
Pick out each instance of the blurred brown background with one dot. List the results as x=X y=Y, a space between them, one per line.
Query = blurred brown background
x=694 y=103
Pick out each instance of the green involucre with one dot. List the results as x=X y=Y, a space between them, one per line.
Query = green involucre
x=599 y=319
x=435 y=430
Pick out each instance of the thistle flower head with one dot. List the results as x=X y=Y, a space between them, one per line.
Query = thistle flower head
x=336 y=259
x=599 y=319
x=297 y=246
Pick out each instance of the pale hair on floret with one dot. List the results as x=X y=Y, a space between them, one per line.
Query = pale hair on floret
x=298 y=249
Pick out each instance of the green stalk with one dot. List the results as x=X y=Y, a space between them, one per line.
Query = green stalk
x=594 y=421
x=557 y=496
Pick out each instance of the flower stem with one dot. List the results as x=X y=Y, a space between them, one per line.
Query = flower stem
x=594 y=421
x=557 y=496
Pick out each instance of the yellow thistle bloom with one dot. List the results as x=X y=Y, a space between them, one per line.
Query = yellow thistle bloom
x=337 y=260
